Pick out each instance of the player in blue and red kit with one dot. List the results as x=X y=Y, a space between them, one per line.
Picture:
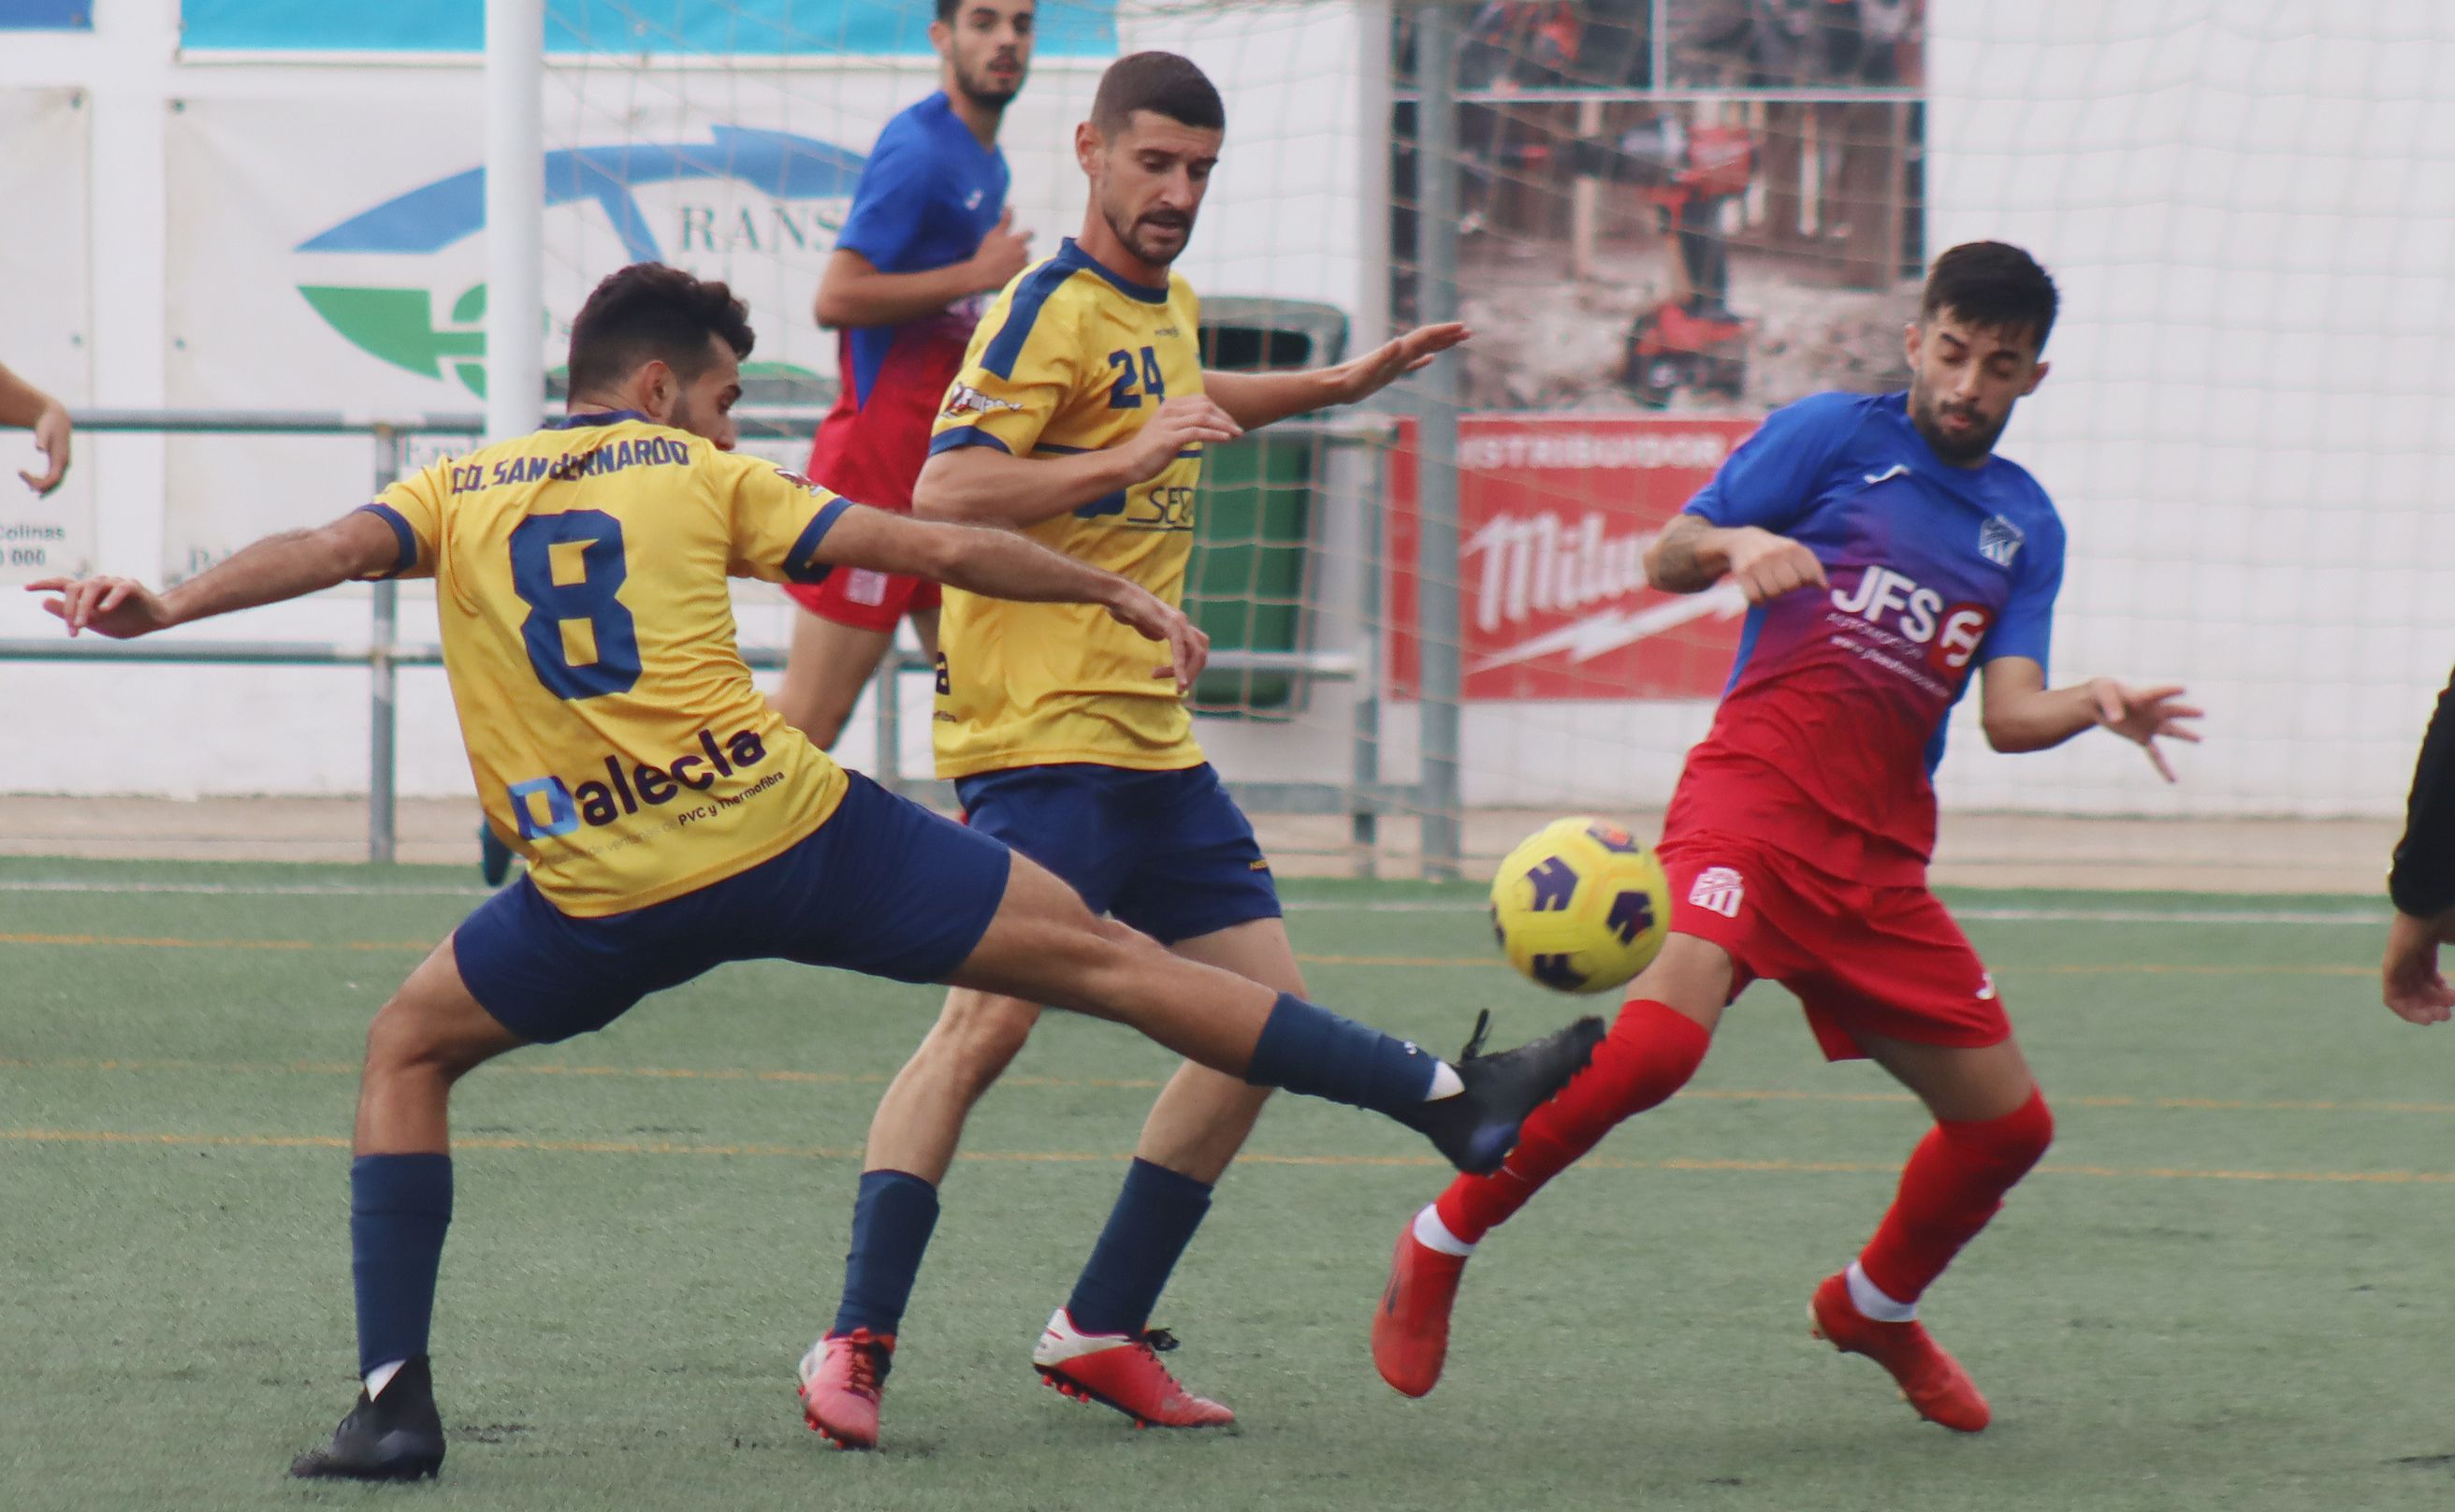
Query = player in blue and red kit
x=928 y=234
x=1888 y=553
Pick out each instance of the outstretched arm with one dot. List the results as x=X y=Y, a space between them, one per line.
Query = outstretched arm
x=2020 y=713
x=1001 y=564
x=278 y=568
x=984 y=484
x=1255 y=400
x=23 y=404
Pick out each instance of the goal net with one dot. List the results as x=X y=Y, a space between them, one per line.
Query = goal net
x=1663 y=219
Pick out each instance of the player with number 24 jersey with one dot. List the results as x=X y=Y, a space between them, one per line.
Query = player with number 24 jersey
x=1073 y=358
x=1080 y=420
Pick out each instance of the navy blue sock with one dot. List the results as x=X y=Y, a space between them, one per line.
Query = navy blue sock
x=1149 y=1228
x=891 y=1221
x=1314 y=1052
x=400 y=1206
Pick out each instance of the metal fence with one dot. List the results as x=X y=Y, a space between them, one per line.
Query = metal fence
x=1364 y=796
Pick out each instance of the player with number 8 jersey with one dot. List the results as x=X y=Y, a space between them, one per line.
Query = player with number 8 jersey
x=674 y=823
x=609 y=744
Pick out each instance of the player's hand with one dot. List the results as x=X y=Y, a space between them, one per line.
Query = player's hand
x=51 y=440
x=1361 y=378
x=1188 y=420
x=2144 y=716
x=121 y=608
x=2414 y=985
x=1189 y=650
x=1004 y=253
x=1766 y=566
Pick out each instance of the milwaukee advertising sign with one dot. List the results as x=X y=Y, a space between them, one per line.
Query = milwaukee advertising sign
x=1555 y=513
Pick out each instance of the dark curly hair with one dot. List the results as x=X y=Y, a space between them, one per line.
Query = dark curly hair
x=649 y=312
x=1994 y=286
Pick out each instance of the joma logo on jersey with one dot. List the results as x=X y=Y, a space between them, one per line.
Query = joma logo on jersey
x=1889 y=599
x=598 y=804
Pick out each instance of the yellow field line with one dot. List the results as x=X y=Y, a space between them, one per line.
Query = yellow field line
x=158 y=943
x=664 y=1147
x=838 y=1078
x=2081 y=968
x=514 y=1068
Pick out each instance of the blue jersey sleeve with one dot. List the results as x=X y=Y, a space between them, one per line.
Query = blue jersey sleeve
x=890 y=206
x=2027 y=624
x=1769 y=480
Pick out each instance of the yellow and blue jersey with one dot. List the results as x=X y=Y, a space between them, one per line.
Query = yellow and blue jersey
x=1072 y=359
x=613 y=730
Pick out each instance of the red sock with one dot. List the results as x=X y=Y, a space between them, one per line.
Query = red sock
x=1954 y=1183
x=1649 y=1054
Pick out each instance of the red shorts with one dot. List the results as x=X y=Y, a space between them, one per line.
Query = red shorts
x=843 y=459
x=1877 y=960
x=865 y=599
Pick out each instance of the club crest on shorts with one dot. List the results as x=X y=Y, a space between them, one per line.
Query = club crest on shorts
x=1717 y=889
x=1999 y=540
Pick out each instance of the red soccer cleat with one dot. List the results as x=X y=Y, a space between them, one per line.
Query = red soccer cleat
x=1930 y=1380
x=1122 y=1371
x=1410 y=1329
x=842 y=1378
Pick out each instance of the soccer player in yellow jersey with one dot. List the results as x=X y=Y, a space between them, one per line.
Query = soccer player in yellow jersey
x=1080 y=420
x=671 y=818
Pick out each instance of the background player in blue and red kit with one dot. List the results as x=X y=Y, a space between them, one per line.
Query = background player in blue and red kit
x=929 y=232
x=1888 y=554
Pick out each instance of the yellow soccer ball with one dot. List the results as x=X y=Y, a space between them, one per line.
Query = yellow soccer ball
x=1580 y=906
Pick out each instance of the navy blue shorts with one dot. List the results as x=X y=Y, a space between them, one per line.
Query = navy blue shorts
x=1167 y=852
x=885 y=887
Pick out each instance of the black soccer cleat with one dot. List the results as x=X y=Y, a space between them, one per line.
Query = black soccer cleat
x=494 y=857
x=1477 y=1128
x=394 y=1436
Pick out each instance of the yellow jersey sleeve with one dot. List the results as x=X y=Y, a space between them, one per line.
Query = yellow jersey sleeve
x=413 y=507
x=1021 y=369
x=777 y=521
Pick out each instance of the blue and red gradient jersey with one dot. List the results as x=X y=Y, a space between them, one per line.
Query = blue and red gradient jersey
x=1829 y=732
x=927 y=196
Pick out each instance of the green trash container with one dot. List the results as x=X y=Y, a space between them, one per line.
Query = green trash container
x=1258 y=506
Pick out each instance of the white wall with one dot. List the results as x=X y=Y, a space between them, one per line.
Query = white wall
x=192 y=303
x=2251 y=210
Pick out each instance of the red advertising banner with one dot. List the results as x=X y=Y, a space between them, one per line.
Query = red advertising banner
x=1555 y=513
